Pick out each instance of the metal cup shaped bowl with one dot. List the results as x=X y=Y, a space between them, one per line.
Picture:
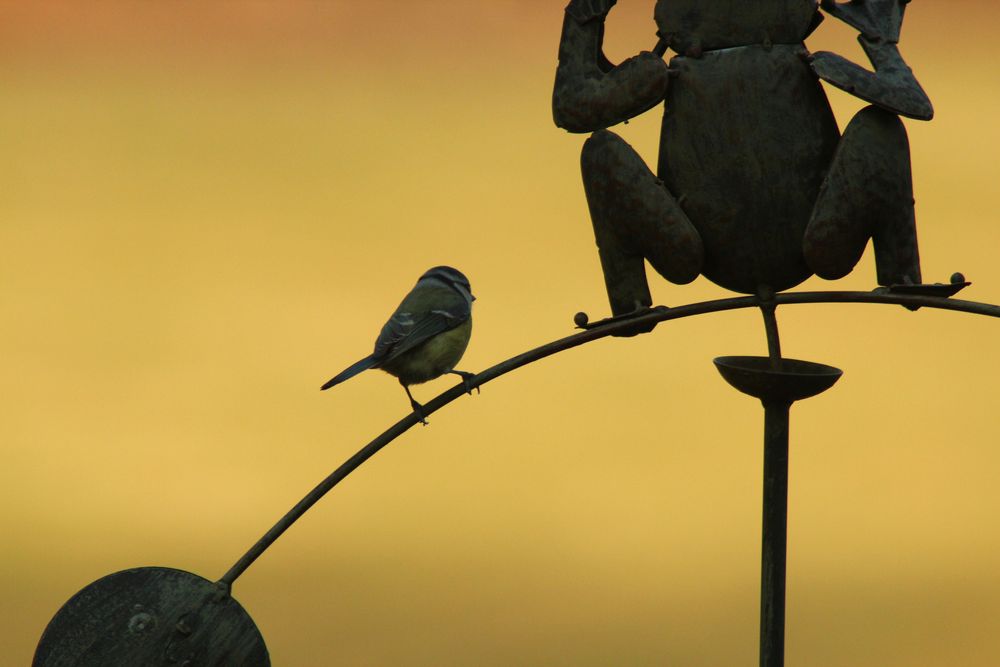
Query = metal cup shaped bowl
x=791 y=381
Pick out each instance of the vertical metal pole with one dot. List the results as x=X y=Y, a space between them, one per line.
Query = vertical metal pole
x=774 y=535
x=778 y=383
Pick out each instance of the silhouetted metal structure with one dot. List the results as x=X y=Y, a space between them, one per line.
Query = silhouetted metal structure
x=756 y=189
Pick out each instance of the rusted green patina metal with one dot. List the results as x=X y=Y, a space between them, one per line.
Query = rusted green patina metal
x=152 y=616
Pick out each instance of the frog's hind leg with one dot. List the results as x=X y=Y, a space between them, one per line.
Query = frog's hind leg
x=868 y=193
x=635 y=217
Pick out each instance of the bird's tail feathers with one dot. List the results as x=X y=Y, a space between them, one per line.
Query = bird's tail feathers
x=350 y=371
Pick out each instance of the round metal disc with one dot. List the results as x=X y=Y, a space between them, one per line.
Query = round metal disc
x=151 y=616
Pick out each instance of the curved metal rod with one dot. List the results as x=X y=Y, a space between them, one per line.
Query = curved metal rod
x=618 y=325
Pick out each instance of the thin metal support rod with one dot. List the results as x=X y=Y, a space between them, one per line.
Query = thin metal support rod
x=767 y=309
x=774 y=532
x=313 y=497
x=653 y=316
x=774 y=538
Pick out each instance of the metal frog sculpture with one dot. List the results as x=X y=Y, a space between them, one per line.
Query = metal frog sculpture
x=755 y=188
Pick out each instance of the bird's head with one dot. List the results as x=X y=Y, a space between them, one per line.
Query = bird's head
x=451 y=277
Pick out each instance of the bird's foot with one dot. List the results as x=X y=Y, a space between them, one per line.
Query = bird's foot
x=467 y=381
x=418 y=410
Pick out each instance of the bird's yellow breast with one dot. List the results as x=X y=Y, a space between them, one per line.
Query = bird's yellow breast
x=433 y=358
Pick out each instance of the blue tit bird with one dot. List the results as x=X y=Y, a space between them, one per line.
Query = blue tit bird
x=426 y=335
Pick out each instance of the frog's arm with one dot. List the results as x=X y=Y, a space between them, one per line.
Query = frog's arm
x=892 y=85
x=591 y=93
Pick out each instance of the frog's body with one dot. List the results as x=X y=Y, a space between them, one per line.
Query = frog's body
x=755 y=188
x=763 y=109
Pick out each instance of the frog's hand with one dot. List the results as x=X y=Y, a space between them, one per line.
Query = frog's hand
x=590 y=93
x=583 y=11
x=878 y=20
x=892 y=86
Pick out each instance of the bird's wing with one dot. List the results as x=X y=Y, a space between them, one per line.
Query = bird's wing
x=409 y=327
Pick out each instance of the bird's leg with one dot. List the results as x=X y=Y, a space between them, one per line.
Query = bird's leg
x=417 y=408
x=466 y=381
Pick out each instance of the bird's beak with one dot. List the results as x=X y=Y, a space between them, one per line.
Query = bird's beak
x=472 y=297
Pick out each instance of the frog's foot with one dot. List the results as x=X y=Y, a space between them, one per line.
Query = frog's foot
x=951 y=288
x=957 y=284
x=892 y=85
x=582 y=320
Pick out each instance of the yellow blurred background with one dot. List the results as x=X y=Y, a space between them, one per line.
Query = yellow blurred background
x=211 y=207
